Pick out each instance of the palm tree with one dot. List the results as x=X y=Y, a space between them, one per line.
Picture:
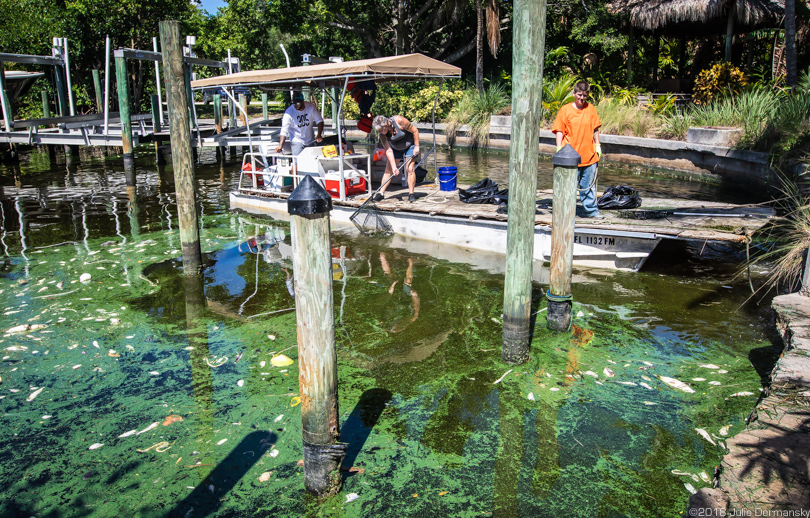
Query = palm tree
x=790 y=42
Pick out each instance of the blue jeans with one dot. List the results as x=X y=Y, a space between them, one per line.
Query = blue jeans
x=587 y=195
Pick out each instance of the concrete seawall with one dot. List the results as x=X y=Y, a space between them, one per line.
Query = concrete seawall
x=741 y=168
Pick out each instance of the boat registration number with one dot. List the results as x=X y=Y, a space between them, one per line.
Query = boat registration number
x=594 y=240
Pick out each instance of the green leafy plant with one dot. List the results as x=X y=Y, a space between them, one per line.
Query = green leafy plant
x=661 y=105
x=627 y=96
x=556 y=94
x=722 y=79
x=475 y=110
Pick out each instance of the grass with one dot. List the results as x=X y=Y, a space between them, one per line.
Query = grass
x=475 y=110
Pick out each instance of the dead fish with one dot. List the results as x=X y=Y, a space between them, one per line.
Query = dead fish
x=677 y=384
x=240 y=383
x=645 y=386
x=724 y=430
x=238 y=356
x=85 y=277
x=127 y=434
x=25 y=327
x=34 y=394
x=737 y=394
x=264 y=477
x=627 y=383
x=96 y=446
x=709 y=366
x=703 y=433
x=221 y=442
x=645 y=367
x=591 y=373
x=150 y=427
x=609 y=373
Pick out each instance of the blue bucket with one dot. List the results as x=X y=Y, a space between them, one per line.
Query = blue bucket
x=447 y=178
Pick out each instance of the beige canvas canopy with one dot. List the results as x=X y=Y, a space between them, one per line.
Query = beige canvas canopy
x=409 y=67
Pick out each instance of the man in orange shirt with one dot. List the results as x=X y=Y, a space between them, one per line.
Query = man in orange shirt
x=578 y=124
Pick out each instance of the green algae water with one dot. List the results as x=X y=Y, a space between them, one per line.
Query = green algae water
x=128 y=389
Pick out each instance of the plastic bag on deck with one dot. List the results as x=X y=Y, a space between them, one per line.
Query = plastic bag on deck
x=485 y=191
x=619 y=197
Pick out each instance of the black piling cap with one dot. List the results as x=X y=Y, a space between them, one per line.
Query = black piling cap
x=309 y=198
x=566 y=157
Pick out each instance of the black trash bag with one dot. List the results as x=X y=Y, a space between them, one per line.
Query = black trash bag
x=619 y=197
x=485 y=191
x=421 y=173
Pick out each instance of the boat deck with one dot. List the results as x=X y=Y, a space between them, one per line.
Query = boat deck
x=613 y=242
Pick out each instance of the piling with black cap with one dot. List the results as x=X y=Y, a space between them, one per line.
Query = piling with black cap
x=564 y=204
x=309 y=206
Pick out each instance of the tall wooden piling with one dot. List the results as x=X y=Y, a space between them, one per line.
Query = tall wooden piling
x=46 y=104
x=264 y=106
x=181 y=145
x=527 y=74
x=309 y=207
x=157 y=128
x=98 y=91
x=564 y=205
x=124 y=109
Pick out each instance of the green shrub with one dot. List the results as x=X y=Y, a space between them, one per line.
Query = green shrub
x=475 y=109
x=413 y=101
x=556 y=94
x=723 y=79
x=621 y=119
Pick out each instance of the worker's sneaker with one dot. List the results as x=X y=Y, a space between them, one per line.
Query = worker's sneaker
x=378 y=197
x=411 y=197
x=598 y=215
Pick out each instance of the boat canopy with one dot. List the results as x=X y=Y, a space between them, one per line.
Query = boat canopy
x=410 y=67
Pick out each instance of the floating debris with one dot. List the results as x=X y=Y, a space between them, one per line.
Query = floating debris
x=709 y=366
x=295 y=401
x=351 y=497
x=262 y=363
x=76 y=366
x=698 y=379
x=738 y=394
x=722 y=371
x=530 y=397
x=154 y=373
x=627 y=383
x=95 y=344
x=581 y=336
x=34 y=394
x=705 y=477
x=650 y=403
x=554 y=389
x=264 y=477
x=240 y=383
x=591 y=373
x=96 y=446
x=85 y=277
x=281 y=360
x=715 y=383
x=279 y=418
x=271 y=337
x=703 y=433
x=238 y=356
x=217 y=363
x=724 y=430
x=677 y=384
x=608 y=373
x=274 y=452
x=46 y=417
x=222 y=441
x=689 y=487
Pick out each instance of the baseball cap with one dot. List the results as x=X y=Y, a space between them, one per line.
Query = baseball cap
x=298 y=96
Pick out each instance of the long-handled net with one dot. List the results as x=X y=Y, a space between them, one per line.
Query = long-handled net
x=369 y=218
x=661 y=214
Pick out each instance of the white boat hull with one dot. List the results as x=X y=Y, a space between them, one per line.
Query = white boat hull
x=594 y=248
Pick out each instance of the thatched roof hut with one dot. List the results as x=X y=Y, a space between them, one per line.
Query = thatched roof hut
x=676 y=17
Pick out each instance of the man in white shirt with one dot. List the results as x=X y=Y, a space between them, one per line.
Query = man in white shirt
x=298 y=125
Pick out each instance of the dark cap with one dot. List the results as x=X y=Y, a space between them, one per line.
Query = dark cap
x=298 y=96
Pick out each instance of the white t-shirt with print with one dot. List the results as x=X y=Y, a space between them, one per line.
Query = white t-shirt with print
x=299 y=126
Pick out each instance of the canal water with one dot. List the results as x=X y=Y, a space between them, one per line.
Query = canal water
x=128 y=390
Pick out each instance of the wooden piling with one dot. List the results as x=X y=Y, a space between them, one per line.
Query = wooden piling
x=243 y=111
x=46 y=104
x=99 y=92
x=123 y=108
x=264 y=107
x=61 y=92
x=181 y=145
x=564 y=204
x=309 y=207
x=218 y=113
x=527 y=76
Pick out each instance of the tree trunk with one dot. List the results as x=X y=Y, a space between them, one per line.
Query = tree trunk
x=479 y=46
x=790 y=42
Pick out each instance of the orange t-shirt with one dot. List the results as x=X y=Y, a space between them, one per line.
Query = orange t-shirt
x=577 y=127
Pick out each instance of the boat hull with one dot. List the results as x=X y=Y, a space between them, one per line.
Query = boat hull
x=594 y=248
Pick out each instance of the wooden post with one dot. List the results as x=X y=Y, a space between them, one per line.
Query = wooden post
x=527 y=74
x=309 y=207
x=123 y=108
x=133 y=211
x=189 y=94
x=46 y=104
x=564 y=205
x=243 y=111
x=99 y=91
x=264 y=107
x=157 y=128
x=181 y=146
